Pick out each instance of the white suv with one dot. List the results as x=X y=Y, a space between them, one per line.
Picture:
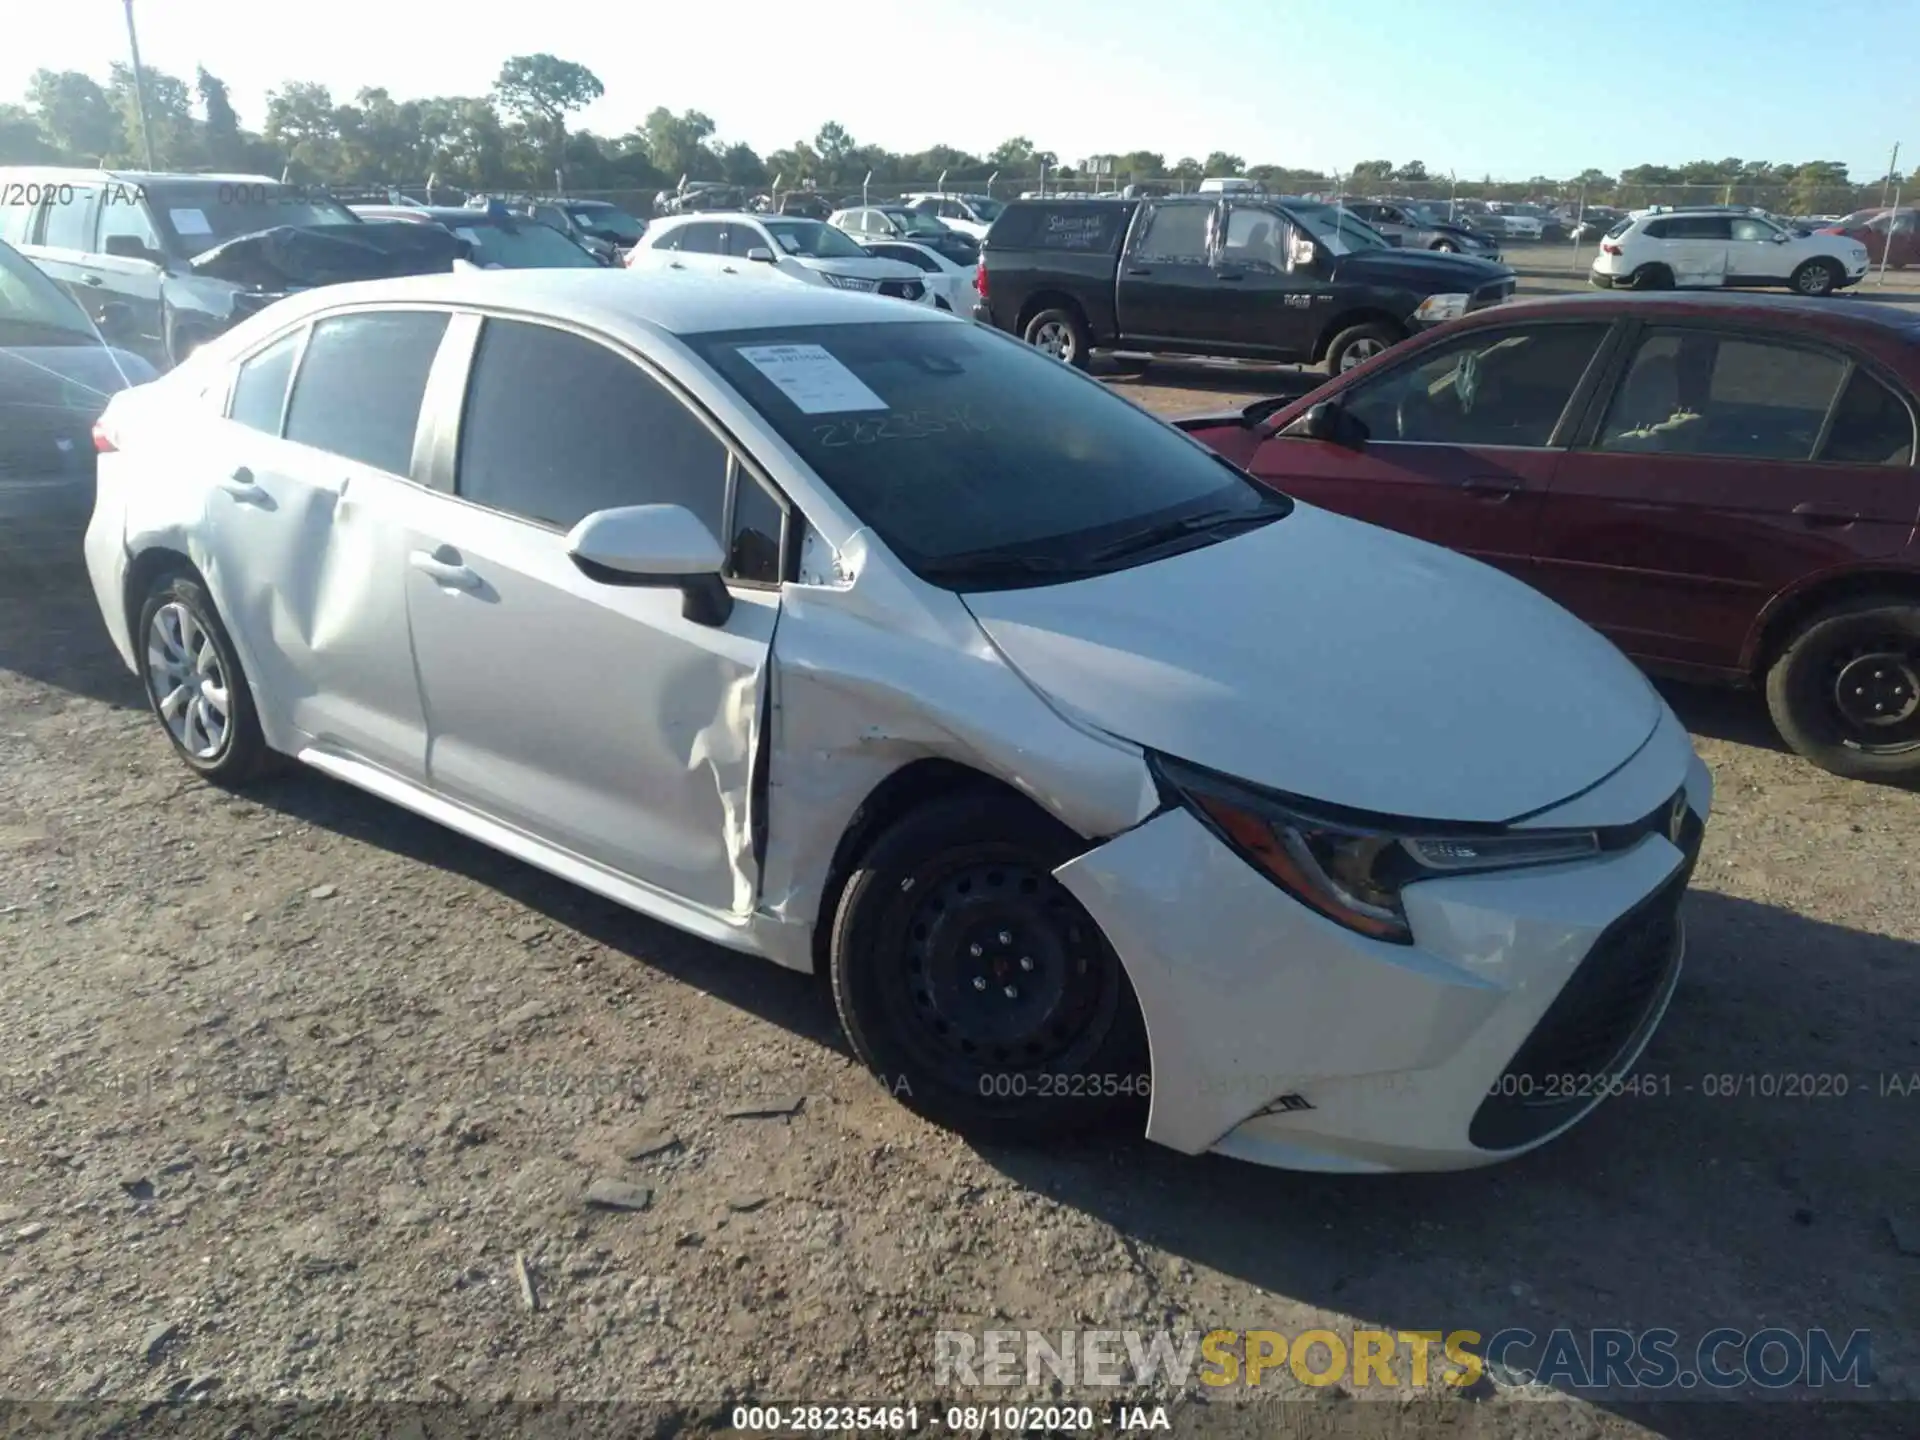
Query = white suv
x=1715 y=248
x=753 y=246
x=969 y=214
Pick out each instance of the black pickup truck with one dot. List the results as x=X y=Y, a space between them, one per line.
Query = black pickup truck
x=1246 y=276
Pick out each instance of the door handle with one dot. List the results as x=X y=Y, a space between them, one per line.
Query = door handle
x=728 y=270
x=1139 y=269
x=1493 y=490
x=442 y=572
x=1228 y=277
x=242 y=487
x=675 y=265
x=87 y=278
x=1814 y=514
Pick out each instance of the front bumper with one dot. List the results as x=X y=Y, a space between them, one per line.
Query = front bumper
x=1282 y=1038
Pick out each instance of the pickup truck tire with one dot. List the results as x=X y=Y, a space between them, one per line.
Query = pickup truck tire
x=1062 y=334
x=1359 y=343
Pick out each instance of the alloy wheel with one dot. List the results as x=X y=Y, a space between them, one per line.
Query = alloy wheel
x=1360 y=352
x=1055 y=339
x=188 y=682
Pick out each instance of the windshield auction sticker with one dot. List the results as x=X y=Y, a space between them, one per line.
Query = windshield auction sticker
x=811 y=378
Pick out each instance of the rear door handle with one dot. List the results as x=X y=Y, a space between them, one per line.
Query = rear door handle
x=675 y=265
x=1139 y=269
x=242 y=487
x=1812 y=513
x=91 y=279
x=1229 y=277
x=442 y=572
x=1491 y=489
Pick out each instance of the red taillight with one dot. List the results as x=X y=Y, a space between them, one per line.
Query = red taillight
x=102 y=441
x=980 y=277
x=1611 y=248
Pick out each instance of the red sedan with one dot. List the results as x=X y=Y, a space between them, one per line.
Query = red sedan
x=1723 y=485
x=1882 y=231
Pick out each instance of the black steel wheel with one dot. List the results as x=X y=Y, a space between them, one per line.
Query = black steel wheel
x=974 y=984
x=1845 y=691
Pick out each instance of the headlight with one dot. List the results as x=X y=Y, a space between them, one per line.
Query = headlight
x=1351 y=867
x=1442 y=307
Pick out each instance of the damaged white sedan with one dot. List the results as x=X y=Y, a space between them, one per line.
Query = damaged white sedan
x=1100 y=780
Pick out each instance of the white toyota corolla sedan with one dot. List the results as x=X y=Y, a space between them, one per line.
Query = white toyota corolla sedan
x=1101 y=781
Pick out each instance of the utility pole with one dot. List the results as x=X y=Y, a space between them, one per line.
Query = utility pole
x=139 y=85
x=1893 y=168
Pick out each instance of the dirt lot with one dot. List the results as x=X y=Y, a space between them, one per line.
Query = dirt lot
x=292 y=1081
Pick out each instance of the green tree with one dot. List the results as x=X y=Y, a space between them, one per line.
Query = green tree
x=1414 y=172
x=21 y=139
x=1189 y=169
x=1224 y=162
x=1371 y=172
x=542 y=90
x=1016 y=155
x=835 y=148
x=226 y=146
x=76 y=115
x=176 y=138
x=1141 y=165
x=304 y=125
x=741 y=165
x=677 y=144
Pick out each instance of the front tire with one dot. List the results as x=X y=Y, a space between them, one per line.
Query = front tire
x=1360 y=343
x=1061 y=333
x=1845 y=691
x=1653 y=277
x=1816 y=277
x=195 y=685
x=976 y=987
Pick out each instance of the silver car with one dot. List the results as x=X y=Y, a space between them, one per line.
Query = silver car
x=1413 y=226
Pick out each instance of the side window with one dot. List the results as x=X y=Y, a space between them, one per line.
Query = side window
x=1747 y=228
x=1872 y=426
x=260 y=389
x=753 y=550
x=953 y=210
x=1494 y=387
x=1696 y=393
x=358 y=391
x=1658 y=229
x=1700 y=227
x=1178 y=233
x=701 y=239
x=558 y=426
x=668 y=239
x=16 y=213
x=70 y=218
x=1258 y=238
x=123 y=214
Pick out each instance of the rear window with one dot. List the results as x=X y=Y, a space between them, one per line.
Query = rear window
x=963 y=448
x=1091 y=229
x=522 y=247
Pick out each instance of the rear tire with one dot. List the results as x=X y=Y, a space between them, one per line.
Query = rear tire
x=976 y=987
x=1061 y=333
x=1653 y=277
x=1845 y=690
x=1816 y=277
x=195 y=685
x=1360 y=343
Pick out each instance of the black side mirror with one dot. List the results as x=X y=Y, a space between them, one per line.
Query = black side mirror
x=1334 y=423
x=131 y=247
x=116 y=322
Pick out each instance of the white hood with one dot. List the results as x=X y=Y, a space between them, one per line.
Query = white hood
x=1339 y=662
x=866 y=267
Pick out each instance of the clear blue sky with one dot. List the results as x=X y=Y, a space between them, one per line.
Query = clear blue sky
x=1511 y=88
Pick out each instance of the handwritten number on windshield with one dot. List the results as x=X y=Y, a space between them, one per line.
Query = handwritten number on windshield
x=903 y=425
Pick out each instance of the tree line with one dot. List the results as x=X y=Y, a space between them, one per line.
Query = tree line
x=517 y=136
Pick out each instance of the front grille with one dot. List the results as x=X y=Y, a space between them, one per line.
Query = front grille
x=903 y=289
x=1491 y=293
x=1602 y=1013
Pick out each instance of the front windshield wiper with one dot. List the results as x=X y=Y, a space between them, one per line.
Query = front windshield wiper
x=992 y=564
x=1151 y=537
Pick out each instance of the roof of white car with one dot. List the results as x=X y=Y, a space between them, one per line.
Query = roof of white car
x=683 y=304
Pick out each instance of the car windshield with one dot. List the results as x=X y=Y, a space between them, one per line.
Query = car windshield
x=1423 y=215
x=914 y=223
x=34 y=310
x=616 y=222
x=520 y=247
x=987 y=210
x=813 y=240
x=199 y=216
x=982 y=463
x=1340 y=230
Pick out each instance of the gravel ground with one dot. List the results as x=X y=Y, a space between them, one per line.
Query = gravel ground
x=297 y=1085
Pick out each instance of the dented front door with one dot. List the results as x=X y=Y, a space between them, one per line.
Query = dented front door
x=596 y=718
